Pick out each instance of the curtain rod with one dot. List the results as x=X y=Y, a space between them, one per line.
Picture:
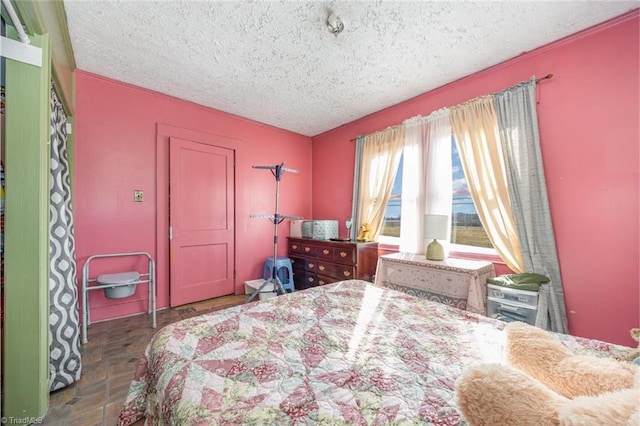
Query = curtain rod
x=546 y=77
x=16 y=21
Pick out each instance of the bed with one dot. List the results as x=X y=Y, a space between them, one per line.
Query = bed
x=348 y=353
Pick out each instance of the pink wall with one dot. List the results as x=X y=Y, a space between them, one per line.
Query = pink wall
x=116 y=152
x=589 y=128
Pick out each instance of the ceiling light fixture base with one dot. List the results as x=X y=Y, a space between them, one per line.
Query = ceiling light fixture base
x=334 y=24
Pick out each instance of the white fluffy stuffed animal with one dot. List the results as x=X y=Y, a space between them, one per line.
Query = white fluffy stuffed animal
x=547 y=385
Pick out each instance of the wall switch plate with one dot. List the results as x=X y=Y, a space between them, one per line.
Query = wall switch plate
x=138 y=196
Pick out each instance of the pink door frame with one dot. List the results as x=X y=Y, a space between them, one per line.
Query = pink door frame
x=163 y=133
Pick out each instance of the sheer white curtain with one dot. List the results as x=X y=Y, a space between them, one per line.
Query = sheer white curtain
x=475 y=127
x=380 y=154
x=426 y=176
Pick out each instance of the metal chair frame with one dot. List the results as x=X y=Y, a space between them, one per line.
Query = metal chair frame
x=86 y=280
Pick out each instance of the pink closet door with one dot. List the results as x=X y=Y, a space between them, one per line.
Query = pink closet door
x=201 y=216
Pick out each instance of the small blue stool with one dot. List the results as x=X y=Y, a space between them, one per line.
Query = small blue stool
x=284 y=270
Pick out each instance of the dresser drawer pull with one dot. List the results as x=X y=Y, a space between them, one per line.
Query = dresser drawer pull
x=325 y=251
x=312 y=265
x=346 y=273
x=321 y=282
x=321 y=267
x=343 y=254
x=307 y=249
x=310 y=279
x=294 y=246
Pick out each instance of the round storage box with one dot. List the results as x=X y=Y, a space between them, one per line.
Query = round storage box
x=120 y=278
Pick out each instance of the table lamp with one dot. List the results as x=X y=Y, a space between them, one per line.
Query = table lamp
x=435 y=227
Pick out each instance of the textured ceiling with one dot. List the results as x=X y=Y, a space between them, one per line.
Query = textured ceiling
x=276 y=62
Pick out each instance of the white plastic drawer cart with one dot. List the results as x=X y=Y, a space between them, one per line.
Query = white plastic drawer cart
x=118 y=285
x=509 y=304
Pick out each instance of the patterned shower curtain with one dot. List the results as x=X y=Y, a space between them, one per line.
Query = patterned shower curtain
x=64 y=332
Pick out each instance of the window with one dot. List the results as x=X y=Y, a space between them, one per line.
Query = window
x=391 y=222
x=466 y=229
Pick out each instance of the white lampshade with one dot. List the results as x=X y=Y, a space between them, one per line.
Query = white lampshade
x=436 y=226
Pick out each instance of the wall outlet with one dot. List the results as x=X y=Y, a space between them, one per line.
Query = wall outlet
x=138 y=196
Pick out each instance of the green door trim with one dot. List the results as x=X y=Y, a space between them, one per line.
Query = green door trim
x=49 y=17
x=26 y=268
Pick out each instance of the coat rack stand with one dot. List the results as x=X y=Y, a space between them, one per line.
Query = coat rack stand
x=276 y=218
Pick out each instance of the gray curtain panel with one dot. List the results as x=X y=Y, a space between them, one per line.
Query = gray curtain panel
x=355 y=220
x=64 y=332
x=518 y=121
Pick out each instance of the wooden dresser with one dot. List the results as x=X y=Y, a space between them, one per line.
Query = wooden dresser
x=319 y=262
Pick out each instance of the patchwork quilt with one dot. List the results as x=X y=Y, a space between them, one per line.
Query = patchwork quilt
x=348 y=353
